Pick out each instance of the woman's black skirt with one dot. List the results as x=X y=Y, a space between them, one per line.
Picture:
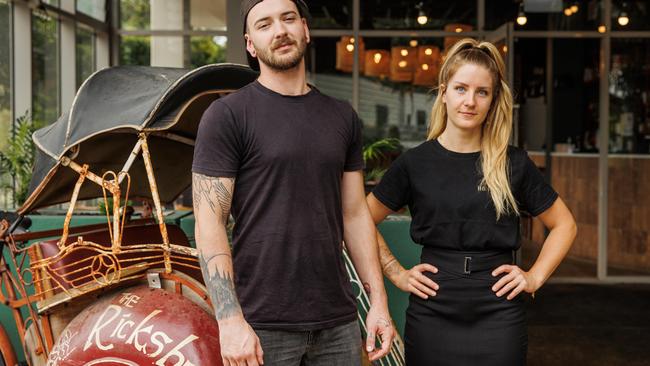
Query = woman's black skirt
x=465 y=323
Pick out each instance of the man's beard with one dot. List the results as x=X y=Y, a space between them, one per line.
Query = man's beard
x=286 y=61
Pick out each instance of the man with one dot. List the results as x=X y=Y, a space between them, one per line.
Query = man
x=287 y=159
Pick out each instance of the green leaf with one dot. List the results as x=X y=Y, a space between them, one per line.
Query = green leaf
x=18 y=158
x=377 y=149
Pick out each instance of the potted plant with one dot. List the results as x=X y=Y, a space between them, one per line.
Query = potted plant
x=18 y=159
x=378 y=154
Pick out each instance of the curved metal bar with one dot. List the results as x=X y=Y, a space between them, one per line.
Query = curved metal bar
x=73 y=202
x=156 y=200
x=396 y=355
x=111 y=228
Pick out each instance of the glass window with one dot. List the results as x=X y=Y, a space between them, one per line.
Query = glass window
x=629 y=97
x=327 y=70
x=208 y=14
x=135 y=50
x=396 y=81
x=5 y=95
x=134 y=14
x=85 y=54
x=93 y=8
x=630 y=15
x=45 y=69
x=429 y=14
x=207 y=50
x=546 y=15
x=574 y=162
x=529 y=90
x=331 y=14
x=628 y=242
x=575 y=95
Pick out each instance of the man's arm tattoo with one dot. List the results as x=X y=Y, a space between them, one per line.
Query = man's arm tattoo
x=212 y=191
x=221 y=288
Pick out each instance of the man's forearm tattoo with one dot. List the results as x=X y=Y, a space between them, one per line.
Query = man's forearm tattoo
x=214 y=193
x=221 y=288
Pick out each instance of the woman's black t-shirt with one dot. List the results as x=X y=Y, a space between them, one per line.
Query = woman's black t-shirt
x=448 y=209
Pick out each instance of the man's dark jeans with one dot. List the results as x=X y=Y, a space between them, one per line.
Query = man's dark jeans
x=337 y=346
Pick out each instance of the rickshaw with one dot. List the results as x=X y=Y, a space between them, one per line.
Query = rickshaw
x=128 y=291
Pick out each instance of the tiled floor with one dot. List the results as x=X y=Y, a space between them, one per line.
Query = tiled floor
x=590 y=325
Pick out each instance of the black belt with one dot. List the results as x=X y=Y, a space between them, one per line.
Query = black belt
x=466 y=263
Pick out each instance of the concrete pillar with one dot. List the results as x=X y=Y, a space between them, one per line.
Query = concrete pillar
x=236 y=50
x=68 y=67
x=67 y=5
x=167 y=50
x=102 y=51
x=22 y=59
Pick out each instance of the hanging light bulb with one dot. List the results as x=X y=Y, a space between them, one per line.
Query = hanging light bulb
x=377 y=57
x=623 y=19
x=521 y=16
x=574 y=8
x=352 y=40
x=402 y=64
x=350 y=47
x=568 y=12
x=404 y=53
x=602 y=29
x=425 y=67
x=413 y=43
x=428 y=51
x=422 y=18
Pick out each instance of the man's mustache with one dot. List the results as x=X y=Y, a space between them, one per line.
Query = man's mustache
x=282 y=42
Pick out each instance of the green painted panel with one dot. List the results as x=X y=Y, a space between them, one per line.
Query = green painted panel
x=395 y=231
x=187 y=225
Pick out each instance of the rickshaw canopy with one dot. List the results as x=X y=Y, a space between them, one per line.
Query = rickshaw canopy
x=111 y=109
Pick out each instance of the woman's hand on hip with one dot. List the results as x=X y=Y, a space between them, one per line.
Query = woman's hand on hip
x=514 y=282
x=414 y=281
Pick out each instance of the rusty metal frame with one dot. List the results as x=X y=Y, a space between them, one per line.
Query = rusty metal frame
x=82 y=267
x=73 y=201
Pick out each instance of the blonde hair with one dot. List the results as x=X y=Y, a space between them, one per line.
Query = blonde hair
x=497 y=127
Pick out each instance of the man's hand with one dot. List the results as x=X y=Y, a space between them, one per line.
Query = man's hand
x=240 y=346
x=378 y=323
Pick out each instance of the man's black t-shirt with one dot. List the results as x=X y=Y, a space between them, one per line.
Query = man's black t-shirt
x=288 y=154
x=441 y=189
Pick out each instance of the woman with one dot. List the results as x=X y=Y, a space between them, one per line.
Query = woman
x=465 y=188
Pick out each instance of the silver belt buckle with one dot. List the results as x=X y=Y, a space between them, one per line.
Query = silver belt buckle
x=467 y=267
